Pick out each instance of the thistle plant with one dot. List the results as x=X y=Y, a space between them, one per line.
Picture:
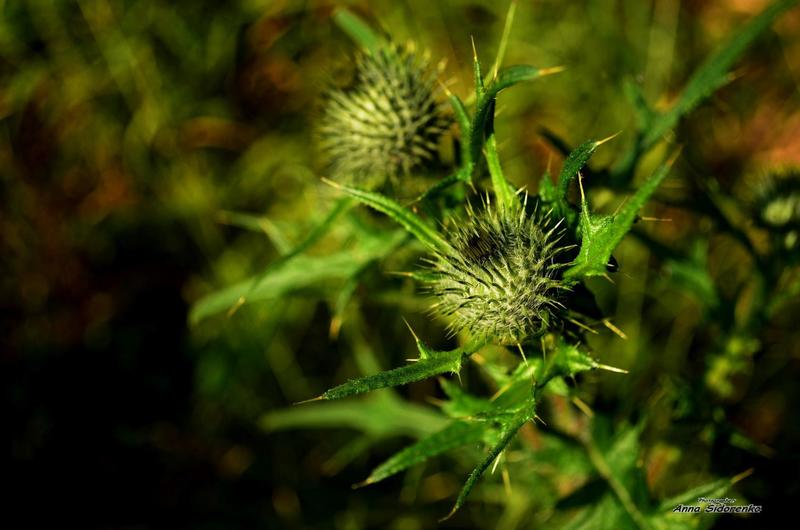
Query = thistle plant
x=386 y=125
x=503 y=274
x=501 y=280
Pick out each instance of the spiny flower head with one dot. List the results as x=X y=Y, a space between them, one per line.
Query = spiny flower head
x=386 y=124
x=500 y=280
x=776 y=206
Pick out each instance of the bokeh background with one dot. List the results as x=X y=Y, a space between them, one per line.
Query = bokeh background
x=152 y=152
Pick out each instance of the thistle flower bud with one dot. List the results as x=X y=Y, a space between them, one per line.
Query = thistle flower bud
x=386 y=124
x=776 y=206
x=500 y=282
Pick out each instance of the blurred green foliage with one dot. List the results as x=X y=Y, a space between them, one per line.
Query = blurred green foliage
x=157 y=153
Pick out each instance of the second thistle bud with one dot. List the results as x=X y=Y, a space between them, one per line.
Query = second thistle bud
x=386 y=125
x=500 y=283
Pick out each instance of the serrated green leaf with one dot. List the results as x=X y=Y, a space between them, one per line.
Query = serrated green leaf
x=457 y=434
x=572 y=165
x=714 y=71
x=525 y=414
x=461 y=403
x=431 y=363
x=505 y=79
x=503 y=191
x=407 y=219
x=600 y=234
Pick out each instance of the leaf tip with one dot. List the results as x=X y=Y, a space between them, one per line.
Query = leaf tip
x=608 y=139
x=611 y=368
x=318 y=398
x=552 y=70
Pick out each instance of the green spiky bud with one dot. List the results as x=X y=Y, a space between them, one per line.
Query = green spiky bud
x=386 y=124
x=501 y=281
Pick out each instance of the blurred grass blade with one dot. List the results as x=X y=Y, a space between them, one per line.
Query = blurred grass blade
x=299 y=272
x=312 y=237
x=376 y=417
x=501 y=48
x=457 y=434
x=256 y=223
x=358 y=30
x=407 y=219
x=714 y=71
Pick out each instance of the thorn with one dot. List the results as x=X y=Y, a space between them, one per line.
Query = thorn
x=674 y=156
x=235 y=307
x=655 y=219
x=611 y=368
x=496 y=461
x=537 y=417
x=743 y=475
x=412 y=360
x=460 y=382
x=604 y=140
x=580 y=185
x=366 y=482
x=607 y=277
x=474 y=50
x=618 y=208
x=336 y=326
x=521 y=352
x=582 y=326
x=331 y=183
x=507 y=481
x=607 y=323
x=552 y=70
x=318 y=398
x=411 y=330
x=449 y=515
x=446 y=90
x=578 y=402
x=544 y=350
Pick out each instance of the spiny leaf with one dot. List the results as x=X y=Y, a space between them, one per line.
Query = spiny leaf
x=506 y=78
x=431 y=363
x=358 y=30
x=457 y=434
x=567 y=360
x=600 y=234
x=503 y=191
x=407 y=219
x=713 y=73
x=523 y=416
